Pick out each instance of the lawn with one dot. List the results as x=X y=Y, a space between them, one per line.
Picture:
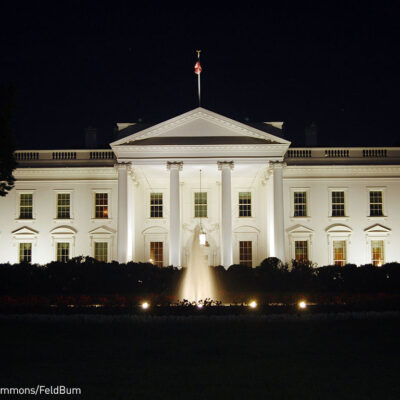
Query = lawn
x=237 y=357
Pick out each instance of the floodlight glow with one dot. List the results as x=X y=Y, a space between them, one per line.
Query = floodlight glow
x=253 y=304
x=202 y=239
x=151 y=260
x=302 y=304
x=199 y=305
x=145 y=305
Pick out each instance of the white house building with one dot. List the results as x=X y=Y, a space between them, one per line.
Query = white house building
x=258 y=198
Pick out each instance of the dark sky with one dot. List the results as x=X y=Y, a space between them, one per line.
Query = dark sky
x=76 y=64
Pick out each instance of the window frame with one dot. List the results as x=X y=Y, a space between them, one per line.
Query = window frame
x=307 y=247
x=294 y=190
x=57 y=243
x=71 y=201
x=383 y=259
x=384 y=209
x=101 y=241
x=330 y=202
x=205 y=192
x=109 y=201
x=157 y=205
x=248 y=263
x=154 y=261
x=19 y=192
x=251 y=203
x=23 y=242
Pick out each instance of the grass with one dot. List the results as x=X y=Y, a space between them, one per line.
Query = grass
x=204 y=358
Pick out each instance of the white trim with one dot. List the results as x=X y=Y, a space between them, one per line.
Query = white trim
x=376 y=232
x=292 y=190
x=235 y=205
x=346 y=211
x=71 y=205
x=103 y=234
x=156 y=234
x=297 y=233
x=18 y=193
x=338 y=232
x=93 y=207
x=384 y=209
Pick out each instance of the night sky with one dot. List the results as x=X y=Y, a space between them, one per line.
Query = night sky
x=79 y=64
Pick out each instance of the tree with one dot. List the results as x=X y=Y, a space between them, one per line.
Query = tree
x=7 y=160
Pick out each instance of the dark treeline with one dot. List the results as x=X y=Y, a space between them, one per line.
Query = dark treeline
x=87 y=276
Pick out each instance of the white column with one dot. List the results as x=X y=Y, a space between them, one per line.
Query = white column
x=174 y=214
x=226 y=212
x=123 y=242
x=279 y=239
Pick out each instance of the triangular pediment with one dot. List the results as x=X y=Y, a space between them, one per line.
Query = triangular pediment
x=25 y=231
x=102 y=230
x=300 y=229
x=200 y=127
x=377 y=228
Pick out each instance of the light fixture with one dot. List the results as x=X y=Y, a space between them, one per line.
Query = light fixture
x=199 y=305
x=253 y=304
x=202 y=235
x=302 y=304
x=145 y=305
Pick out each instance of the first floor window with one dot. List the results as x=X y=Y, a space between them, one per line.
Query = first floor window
x=63 y=205
x=375 y=203
x=101 y=251
x=101 y=205
x=378 y=252
x=200 y=205
x=245 y=253
x=62 y=252
x=339 y=252
x=26 y=206
x=156 y=253
x=156 y=205
x=338 y=204
x=301 y=250
x=245 y=204
x=25 y=252
x=300 y=204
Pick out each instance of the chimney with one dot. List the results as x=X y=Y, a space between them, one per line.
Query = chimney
x=311 y=133
x=91 y=137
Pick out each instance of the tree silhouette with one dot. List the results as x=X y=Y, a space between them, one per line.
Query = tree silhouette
x=7 y=161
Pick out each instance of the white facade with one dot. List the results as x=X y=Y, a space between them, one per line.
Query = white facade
x=139 y=200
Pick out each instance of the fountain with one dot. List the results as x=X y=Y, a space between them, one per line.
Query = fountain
x=197 y=283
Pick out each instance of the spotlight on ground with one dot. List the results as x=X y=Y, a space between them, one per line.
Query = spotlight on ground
x=253 y=304
x=145 y=305
x=302 y=304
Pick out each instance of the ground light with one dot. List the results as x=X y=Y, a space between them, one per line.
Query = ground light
x=253 y=304
x=302 y=304
x=145 y=305
x=199 y=305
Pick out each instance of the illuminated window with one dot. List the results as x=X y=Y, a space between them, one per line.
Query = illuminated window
x=200 y=205
x=26 y=206
x=375 y=203
x=378 y=252
x=244 y=204
x=301 y=250
x=300 y=204
x=25 y=252
x=156 y=253
x=245 y=253
x=101 y=205
x=101 y=251
x=156 y=205
x=62 y=251
x=339 y=252
x=338 y=204
x=63 y=205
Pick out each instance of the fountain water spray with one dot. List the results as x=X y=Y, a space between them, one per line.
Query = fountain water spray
x=198 y=283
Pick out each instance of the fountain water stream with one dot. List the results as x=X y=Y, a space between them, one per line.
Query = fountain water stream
x=198 y=283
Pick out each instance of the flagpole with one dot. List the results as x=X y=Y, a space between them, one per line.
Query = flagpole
x=198 y=77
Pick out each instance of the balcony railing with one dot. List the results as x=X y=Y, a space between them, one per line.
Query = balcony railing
x=27 y=156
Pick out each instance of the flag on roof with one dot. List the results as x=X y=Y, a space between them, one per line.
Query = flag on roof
x=197 y=68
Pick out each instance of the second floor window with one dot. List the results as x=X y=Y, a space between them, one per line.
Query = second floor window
x=300 y=204
x=200 y=205
x=63 y=205
x=26 y=206
x=156 y=205
x=375 y=203
x=338 y=204
x=101 y=205
x=245 y=204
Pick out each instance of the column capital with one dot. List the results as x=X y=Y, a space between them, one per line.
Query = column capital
x=277 y=164
x=225 y=164
x=175 y=164
x=122 y=165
